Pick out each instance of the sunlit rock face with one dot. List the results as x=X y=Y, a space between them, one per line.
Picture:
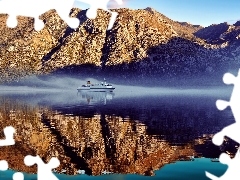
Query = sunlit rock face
x=142 y=41
x=97 y=143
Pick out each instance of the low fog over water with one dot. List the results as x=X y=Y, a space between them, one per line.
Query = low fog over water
x=59 y=90
x=59 y=84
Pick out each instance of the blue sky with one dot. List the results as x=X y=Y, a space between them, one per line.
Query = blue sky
x=201 y=12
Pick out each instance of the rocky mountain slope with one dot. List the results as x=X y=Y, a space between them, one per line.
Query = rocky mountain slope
x=141 y=42
x=219 y=33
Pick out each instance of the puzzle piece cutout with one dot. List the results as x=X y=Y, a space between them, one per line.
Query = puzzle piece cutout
x=231 y=131
x=35 y=8
x=16 y=175
x=101 y=4
x=3 y=165
x=44 y=170
x=232 y=172
x=234 y=102
x=9 y=140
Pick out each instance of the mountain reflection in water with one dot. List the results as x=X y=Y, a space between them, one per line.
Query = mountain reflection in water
x=98 y=132
x=91 y=97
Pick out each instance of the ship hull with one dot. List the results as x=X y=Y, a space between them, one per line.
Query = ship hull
x=96 y=89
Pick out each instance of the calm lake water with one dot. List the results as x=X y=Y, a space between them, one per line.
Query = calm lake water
x=133 y=133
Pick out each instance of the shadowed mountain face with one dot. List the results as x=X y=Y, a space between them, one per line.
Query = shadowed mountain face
x=142 y=40
x=220 y=33
x=213 y=32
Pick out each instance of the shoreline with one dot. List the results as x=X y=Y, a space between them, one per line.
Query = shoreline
x=182 y=170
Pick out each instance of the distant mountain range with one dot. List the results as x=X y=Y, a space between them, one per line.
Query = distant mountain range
x=142 y=43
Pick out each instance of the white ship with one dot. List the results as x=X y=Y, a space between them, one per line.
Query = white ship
x=102 y=87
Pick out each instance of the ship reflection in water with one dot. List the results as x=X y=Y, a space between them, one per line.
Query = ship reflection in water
x=92 y=97
x=126 y=136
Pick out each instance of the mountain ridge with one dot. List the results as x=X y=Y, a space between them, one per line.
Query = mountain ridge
x=142 y=42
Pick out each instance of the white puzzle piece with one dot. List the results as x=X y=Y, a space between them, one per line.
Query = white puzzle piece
x=9 y=140
x=101 y=4
x=44 y=170
x=232 y=172
x=35 y=8
x=231 y=131
x=3 y=165
x=18 y=176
